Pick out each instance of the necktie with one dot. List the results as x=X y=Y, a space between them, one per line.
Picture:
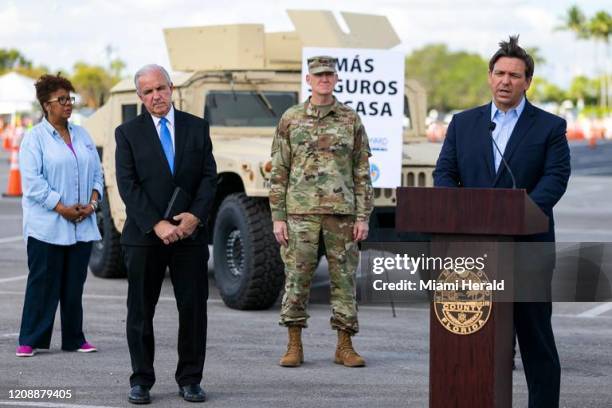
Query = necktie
x=166 y=141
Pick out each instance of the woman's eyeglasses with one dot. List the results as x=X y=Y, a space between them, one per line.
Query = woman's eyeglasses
x=63 y=100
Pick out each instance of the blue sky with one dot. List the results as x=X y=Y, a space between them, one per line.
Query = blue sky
x=59 y=33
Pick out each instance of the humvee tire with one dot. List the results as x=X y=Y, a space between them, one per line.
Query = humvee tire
x=247 y=264
x=106 y=260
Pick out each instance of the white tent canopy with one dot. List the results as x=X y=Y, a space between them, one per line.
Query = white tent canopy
x=17 y=93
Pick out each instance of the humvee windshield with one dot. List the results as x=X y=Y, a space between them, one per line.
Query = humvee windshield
x=247 y=108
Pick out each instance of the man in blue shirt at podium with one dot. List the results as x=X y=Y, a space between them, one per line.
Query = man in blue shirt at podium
x=509 y=143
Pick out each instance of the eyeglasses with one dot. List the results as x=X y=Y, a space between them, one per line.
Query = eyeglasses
x=63 y=100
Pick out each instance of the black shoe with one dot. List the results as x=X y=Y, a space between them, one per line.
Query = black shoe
x=139 y=394
x=192 y=393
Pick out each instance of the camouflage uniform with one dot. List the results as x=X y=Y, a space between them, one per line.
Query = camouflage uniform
x=320 y=182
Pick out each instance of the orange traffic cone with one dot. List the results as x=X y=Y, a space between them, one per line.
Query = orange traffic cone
x=592 y=142
x=6 y=141
x=14 y=181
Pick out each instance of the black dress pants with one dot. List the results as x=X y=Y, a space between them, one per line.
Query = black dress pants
x=532 y=322
x=57 y=275
x=538 y=352
x=146 y=266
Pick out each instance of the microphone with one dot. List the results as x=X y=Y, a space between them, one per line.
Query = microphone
x=492 y=126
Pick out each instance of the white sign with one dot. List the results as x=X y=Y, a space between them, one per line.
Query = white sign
x=372 y=83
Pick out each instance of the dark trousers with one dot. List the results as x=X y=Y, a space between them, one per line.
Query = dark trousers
x=538 y=352
x=57 y=274
x=146 y=266
x=534 y=267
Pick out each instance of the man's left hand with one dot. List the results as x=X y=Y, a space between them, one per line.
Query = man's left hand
x=187 y=224
x=360 y=231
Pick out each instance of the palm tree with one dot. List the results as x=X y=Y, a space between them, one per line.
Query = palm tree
x=575 y=21
x=600 y=29
x=537 y=56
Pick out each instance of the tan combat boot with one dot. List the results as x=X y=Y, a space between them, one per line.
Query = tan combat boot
x=345 y=354
x=294 y=356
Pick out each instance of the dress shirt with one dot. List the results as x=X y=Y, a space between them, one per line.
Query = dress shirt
x=169 y=124
x=52 y=173
x=504 y=125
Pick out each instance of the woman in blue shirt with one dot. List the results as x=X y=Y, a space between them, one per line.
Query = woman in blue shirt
x=62 y=183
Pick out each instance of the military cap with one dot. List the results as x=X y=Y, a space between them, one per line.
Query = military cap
x=320 y=64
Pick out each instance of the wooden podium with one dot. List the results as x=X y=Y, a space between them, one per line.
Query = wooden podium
x=474 y=368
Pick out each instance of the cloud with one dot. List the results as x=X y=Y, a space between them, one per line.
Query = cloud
x=15 y=23
x=58 y=33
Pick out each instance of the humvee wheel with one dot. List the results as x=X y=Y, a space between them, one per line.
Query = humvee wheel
x=106 y=260
x=247 y=264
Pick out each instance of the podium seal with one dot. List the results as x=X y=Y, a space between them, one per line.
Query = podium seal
x=462 y=306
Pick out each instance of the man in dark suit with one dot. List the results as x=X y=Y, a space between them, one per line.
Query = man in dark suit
x=534 y=145
x=157 y=152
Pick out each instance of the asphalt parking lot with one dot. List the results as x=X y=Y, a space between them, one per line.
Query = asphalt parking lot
x=244 y=347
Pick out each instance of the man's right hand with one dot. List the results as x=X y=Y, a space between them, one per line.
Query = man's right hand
x=280 y=232
x=72 y=213
x=167 y=232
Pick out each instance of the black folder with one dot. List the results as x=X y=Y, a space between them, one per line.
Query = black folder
x=179 y=203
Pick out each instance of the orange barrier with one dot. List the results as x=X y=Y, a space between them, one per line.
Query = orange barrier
x=436 y=132
x=575 y=132
x=13 y=188
x=597 y=131
x=6 y=140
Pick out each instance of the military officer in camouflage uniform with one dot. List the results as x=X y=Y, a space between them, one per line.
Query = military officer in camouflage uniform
x=320 y=183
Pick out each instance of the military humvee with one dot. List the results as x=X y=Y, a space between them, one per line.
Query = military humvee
x=241 y=79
